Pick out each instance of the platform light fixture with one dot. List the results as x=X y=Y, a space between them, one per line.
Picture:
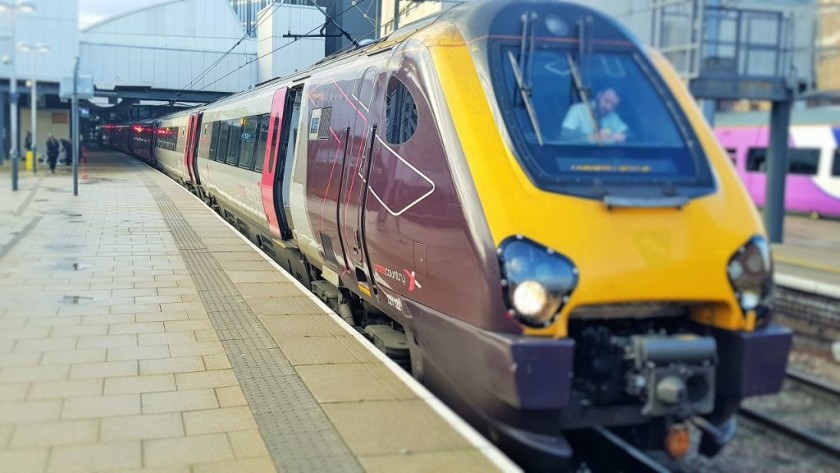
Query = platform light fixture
x=12 y=8
x=33 y=51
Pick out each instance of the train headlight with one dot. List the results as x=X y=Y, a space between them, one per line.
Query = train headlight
x=750 y=271
x=537 y=281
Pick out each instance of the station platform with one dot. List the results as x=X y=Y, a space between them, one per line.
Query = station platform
x=809 y=258
x=138 y=331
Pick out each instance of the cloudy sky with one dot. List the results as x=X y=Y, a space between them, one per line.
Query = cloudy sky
x=93 y=11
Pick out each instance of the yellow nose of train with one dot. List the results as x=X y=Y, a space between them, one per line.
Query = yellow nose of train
x=624 y=254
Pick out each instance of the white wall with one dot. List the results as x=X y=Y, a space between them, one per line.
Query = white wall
x=294 y=55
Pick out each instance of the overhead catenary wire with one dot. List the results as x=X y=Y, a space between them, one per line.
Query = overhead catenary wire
x=352 y=5
x=251 y=61
x=265 y=15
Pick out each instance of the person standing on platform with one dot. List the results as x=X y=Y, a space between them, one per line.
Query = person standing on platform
x=52 y=152
x=67 y=147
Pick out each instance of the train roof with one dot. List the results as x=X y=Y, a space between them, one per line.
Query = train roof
x=805 y=116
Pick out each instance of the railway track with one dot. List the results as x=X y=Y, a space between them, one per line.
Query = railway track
x=782 y=423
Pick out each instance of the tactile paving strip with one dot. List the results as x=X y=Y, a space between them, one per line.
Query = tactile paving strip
x=298 y=434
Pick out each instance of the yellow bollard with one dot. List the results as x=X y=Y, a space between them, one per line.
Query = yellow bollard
x=29 y=160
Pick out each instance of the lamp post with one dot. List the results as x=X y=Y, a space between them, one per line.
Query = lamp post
x=33 y=53
x=12 y=8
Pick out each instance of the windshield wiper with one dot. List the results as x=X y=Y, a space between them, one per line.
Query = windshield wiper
x=523 y=79
x=584 y=96
x=525 y=92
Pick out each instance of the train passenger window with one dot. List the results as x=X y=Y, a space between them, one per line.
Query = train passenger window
x=214 y=140
x=262 y=140
x=400 y=113
x=835 y=169
x=249 y=141
x=224 y=131
x=756 y=159
x=804 y=161
x=166 y=138
x=233 y=146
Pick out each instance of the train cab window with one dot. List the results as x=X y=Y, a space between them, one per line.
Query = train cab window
x=595 y=122
x=234 y=142
x=400 y=113
x=262 y=140
x=835 y=169
x=224 y=132
x=249 y=141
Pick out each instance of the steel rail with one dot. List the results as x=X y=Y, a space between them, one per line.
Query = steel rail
x=813 y=382
x=803 y=436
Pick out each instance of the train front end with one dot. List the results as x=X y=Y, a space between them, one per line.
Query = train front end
x=630 y=256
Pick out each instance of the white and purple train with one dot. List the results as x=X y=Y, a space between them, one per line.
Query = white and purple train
x=813 y=181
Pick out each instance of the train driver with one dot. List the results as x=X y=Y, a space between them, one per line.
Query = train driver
x=579 y=124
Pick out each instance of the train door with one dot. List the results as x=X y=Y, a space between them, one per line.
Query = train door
x=279 y=152
x=357 y=161
x=190 y=163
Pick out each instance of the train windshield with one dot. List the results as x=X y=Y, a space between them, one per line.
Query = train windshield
x=595 y=123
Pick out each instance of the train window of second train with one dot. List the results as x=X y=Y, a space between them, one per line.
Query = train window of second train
x=756 y=159
x=262 y=142
x=835 y=169
x=235 y=141
x=400 y=113
x=803 y=161
x=249 y=141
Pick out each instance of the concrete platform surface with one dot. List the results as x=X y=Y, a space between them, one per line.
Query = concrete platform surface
x=809 y=257
x=138 y=331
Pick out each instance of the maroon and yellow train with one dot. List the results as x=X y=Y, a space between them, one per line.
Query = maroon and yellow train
x=524 y=202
